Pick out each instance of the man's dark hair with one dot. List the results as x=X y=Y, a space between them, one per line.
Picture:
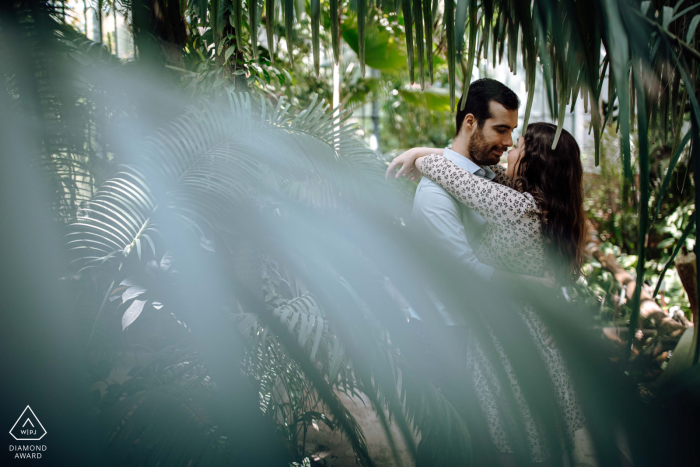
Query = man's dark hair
x=480 y=94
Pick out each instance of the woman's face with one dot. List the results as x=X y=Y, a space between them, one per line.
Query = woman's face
x=514 y=157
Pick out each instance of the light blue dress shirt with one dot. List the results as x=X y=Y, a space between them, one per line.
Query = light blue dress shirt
x=452 y=225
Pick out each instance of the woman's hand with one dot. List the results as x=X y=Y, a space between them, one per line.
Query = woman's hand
x=407 y=162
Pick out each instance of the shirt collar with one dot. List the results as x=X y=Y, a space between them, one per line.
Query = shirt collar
x=466 y=164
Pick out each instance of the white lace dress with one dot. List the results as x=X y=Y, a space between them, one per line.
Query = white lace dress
x=512 y=241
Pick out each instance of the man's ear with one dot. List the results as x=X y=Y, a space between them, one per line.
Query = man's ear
x=468 y=124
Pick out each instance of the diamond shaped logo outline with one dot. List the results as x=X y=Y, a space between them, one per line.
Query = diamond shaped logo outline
x=35 y=418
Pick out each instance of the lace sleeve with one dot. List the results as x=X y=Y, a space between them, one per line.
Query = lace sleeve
x=496 y=203
x=501 y=177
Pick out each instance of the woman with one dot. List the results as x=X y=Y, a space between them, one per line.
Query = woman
x=536 y=226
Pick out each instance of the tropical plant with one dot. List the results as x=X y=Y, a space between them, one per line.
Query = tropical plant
x=193 y=184
x=647 y=54
x=216 y=169
x=233 y=181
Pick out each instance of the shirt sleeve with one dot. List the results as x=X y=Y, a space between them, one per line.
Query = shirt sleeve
x=437 y=213
x=501 y=177
x=496 y=203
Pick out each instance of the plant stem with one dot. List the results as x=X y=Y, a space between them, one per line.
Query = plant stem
x=99 y=313
x=683 y=44
x=643 y=134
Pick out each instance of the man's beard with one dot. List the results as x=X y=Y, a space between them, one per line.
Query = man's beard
x=480 y=151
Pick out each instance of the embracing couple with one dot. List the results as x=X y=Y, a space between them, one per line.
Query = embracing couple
x=526 y=219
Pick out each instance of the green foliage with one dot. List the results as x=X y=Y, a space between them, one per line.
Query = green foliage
x=200 y=175
x=185 y=177
x=383 y=49
x=612 y=202
x=411 y=118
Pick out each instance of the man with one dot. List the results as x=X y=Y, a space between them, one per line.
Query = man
x=483 y=134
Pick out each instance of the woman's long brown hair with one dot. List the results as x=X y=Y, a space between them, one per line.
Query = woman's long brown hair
x=554 y=177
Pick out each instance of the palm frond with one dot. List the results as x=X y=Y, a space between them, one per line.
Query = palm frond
x=211 y=159
x=408 y=27
x=315 y=22
x=173 y=390
x=289 y=28
x=270 y=26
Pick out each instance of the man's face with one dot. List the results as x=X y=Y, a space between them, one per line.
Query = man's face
x=489 y=141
